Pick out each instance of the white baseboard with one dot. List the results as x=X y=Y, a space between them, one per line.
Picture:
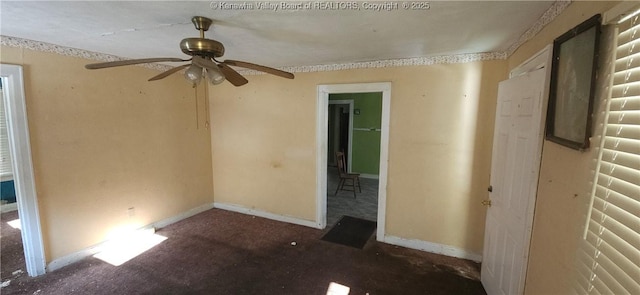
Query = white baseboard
x=409 y=243
x=9 y=207
x=433 y=248
x=264 y=214
x=181 y=216
x=74 y=257
x=92 y=250
x=370 y=176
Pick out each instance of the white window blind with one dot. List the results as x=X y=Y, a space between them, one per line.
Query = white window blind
x=5 y=157
x=610 y=256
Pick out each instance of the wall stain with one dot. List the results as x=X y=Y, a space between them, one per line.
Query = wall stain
x=276 y=164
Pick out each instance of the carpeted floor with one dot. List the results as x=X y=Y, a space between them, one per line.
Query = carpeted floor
x=11 y=253
x=221 y=252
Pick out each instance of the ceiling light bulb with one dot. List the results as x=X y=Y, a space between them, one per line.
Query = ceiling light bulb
x=215 y=76
x=193 y=74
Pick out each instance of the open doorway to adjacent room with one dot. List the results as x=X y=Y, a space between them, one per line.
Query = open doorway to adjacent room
x=327 y=213
x=340 y=124
x=24 y=223
x=12 y=254
x=354 y=129
x=7 y=189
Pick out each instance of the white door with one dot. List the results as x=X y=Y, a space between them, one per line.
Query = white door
x=514 y=176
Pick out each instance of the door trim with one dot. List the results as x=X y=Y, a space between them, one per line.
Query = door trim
x=22 y=165
x=350 y=141
x=322 y=107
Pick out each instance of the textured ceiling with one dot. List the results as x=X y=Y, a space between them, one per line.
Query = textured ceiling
x=284 y=37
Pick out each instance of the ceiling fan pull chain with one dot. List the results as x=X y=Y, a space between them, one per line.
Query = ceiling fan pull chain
x=206 y=106
x=196 y=98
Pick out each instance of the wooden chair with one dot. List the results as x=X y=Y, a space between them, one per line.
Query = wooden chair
x=354 y=178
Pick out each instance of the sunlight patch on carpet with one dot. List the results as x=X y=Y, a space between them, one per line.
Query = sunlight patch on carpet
x=15 y=224
x=120 y=250
x=337 y=289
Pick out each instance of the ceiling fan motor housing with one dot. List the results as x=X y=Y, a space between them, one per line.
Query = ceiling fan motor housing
x=202 y=47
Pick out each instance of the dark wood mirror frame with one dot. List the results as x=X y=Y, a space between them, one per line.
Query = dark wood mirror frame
x=571 y=93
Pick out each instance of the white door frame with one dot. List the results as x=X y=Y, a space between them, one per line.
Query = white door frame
x=350 y=141
x=20 y=147
x=322 y=108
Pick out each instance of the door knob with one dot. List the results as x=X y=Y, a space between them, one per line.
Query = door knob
x=490 y=188
x=486 y=203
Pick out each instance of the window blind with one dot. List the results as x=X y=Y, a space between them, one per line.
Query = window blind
x=5 y=157
x=610 y=256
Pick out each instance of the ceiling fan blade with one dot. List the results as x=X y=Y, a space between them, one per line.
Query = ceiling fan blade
x=131 y=62
x=168 y=72
x=268 y=70
x=232 y=76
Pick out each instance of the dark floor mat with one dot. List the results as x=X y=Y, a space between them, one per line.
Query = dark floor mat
x=351 y=231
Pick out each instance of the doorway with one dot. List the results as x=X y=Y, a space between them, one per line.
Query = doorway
x=7 y=190
x=340 y=130
x=22 y=166
x=324 y=189
x=11 y=248
x=354 y=129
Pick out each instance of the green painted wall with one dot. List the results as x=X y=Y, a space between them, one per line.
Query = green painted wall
x=366 y=144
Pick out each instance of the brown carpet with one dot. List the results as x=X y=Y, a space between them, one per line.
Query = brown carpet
x=220 y=252
x=11 y=253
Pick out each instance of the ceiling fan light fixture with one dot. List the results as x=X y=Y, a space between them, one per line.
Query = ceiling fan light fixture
x=193 y=74
x=203 y=54
x=215 y=76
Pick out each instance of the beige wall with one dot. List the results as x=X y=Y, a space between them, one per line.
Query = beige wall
x=563 y=188
x=104 y=141
x=264 y=146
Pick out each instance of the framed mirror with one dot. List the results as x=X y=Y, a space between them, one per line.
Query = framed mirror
x=573 y=73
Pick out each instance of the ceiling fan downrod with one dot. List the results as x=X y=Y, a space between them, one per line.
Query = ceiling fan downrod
x=202 y=24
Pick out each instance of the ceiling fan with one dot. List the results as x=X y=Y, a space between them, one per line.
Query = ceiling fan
x=204 y=53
